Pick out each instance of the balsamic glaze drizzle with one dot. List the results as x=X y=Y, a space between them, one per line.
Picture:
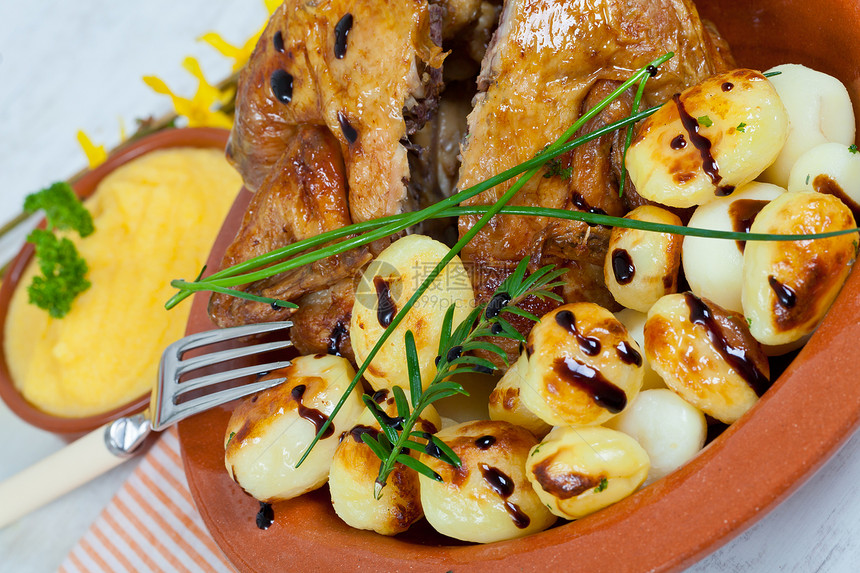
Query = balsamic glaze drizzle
x=784 y=294
x=703 y=144
x=266 y=516
x=348 y=131
x=604 y=393
x=628 y=354
x=281 y=83
x=588 y=344
x=622 y=266
x=341 y=32
x=503 y=485
x=386 y=309
x=736 y=357
x=312 y=415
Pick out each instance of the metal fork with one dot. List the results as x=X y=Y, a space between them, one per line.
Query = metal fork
x=113 y=443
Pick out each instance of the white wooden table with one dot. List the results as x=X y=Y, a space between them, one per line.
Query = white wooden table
x=66 y=66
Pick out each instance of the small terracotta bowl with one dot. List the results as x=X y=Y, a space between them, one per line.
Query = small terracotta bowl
x=84 y=187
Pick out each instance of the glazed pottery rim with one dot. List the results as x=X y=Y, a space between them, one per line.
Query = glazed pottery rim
x=202 y=137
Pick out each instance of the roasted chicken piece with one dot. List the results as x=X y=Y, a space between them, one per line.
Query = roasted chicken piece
x=303 y=196
x=548 y=62
x=324 y=108
x=368 y=70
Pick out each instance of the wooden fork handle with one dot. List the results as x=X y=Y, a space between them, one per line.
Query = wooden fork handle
x=56 y=475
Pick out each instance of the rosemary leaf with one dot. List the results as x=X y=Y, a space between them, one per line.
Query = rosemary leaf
x=400 y=400
x=520 y=312
x=412 y=367
x=378 y=449
x=419 y=467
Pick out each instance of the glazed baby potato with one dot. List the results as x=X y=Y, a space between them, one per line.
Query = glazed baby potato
x=671 y=430
x=830 y=168
x=789 y=285
x=268 y=432
x=706 y=355
x=352 y=478
x=577 y=471
x=819 y=110
x=385 y=287
x=505 y=403
x=642 y=266
x=583 y=366
x=715 y=137
x=487 y=498
x=714 y=267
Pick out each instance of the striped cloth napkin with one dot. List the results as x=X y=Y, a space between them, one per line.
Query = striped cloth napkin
x=151 y=524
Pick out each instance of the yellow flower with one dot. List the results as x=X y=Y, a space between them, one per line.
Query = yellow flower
x=96 y=154
x=239 y=54
x=200 y=109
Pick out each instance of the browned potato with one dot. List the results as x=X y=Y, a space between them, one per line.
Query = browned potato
x=505 y=402
x=642 y=266
x=577 y=471
x=706 y=355
x=352 y=477
x=584 y=367
x=717 y=136
x=487 y=498
x=789 y=285
x=269 y=432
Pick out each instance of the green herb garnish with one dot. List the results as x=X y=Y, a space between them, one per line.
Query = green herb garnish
x=741 y=127
x=705 y=120
x=62 y=207
x=63 y=269
x=628 y=139
x=604 y=483
x=455 y=344
x=554 y=169
x=852 y=148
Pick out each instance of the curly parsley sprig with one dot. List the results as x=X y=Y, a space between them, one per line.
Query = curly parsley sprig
x=63 y=269
x=456 y=346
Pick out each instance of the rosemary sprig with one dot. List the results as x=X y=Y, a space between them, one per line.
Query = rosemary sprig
x=455 y=344
x=470 y=234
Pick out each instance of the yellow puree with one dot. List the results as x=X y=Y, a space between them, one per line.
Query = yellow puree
x=155 y=220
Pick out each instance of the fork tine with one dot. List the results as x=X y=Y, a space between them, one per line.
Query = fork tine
x=203 y=403
x=217 y=377
x=229 y=354
x=222 y=334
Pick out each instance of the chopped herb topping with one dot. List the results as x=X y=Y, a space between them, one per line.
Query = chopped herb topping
x=705 y=120
x=554 y=168
x=604 y=483
x=741 y=127
x=852 y=148
x=749 y=322
x=807 y=178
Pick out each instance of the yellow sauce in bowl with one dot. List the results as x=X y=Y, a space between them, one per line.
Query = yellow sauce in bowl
x=155 y=218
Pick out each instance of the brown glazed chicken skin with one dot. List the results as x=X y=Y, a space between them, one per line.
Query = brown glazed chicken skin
x=322 y=110
x=548 y=62
x=363 y=69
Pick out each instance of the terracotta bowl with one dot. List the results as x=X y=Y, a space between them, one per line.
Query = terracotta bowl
x=802 y=420
x=84 y=187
